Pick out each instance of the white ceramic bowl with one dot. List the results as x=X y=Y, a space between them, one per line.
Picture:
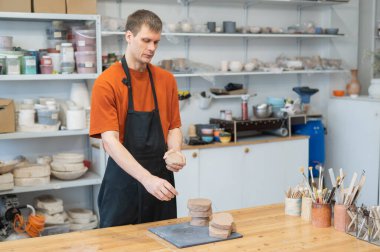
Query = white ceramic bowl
x=69 y=175
x=236 y=66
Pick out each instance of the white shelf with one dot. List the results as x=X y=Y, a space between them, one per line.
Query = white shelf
x=234 y=35
x=45 y=16
x=89 y=178
x=259 y=73
x=214 y=96
x=29 y=77
x=300 y=3
x=26 y=135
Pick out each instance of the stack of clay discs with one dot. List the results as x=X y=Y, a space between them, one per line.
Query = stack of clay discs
x=32 y=175
x=200 y=211
x=82 y=219
x=221 y=225
x=51 y=208
x=6 y=181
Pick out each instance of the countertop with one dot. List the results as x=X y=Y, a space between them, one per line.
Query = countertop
x=264 y=228
x=247 y=141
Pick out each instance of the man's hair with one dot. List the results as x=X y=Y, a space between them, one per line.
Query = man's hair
x=143 y=17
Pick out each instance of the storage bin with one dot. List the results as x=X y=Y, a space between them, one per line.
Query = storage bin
x=55 y=43
x=46 y=69
x=13 y=65
x=6 y=42
x=86 y=62
x=26 y=117
x=67 y=58
x=57 y=34
x=85 y=38
x=48 y=117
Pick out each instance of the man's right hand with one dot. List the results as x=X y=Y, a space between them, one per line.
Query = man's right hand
x=159 y=188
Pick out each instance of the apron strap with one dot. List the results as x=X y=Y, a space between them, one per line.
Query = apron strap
x=128 y=81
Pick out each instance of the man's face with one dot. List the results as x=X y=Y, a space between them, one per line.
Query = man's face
x=144 y=44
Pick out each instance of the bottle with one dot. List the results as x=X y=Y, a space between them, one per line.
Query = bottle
x=353 y=87
x=244 y=107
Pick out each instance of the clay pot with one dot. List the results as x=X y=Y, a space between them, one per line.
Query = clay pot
x=353 y=87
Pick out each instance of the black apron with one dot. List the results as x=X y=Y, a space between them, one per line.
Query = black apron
x=122 y=199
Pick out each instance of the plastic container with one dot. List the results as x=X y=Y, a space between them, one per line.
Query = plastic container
x=85 y=38
x=67 y=58
x=26 y=117
x=47 y=117
x=55 y=43
x=56 y=61
x=6 y=42
x=86 y=62
x=313 y=128
x=28 y=65
x=46 y=60
x=13 y=65
x=60 y=34
x=46 y=69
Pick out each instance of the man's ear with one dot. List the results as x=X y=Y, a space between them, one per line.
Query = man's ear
x=128 y=36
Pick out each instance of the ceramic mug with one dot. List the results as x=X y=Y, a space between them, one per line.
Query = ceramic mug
x=211 y=26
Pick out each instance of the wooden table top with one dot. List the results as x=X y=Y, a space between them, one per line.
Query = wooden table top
x=264 y=229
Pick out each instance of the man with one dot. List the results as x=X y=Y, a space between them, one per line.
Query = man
x=135 y=111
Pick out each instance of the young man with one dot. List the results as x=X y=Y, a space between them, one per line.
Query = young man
x=135 y=111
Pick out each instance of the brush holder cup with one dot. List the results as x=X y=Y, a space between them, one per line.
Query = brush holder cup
x=352 y=222
x=306 y=209
x=340 y=217
x=321 y=215
x=293 y=206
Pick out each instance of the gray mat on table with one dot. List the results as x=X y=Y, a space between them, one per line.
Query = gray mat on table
x=184 y=235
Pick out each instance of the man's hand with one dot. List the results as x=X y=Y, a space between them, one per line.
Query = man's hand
x=178 y=165
x=159 y=188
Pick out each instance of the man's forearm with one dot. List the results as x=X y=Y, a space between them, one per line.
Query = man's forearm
x=175 y=139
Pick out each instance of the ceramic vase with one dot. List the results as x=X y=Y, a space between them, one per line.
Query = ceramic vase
x=353 y=87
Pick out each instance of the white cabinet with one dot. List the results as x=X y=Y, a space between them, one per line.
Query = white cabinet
x=29 y=31
x=187 y=181
x=353 y=142
x=271 y=169
x=221 y=176
x=241 y=176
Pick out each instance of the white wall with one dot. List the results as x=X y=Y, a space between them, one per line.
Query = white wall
x=213 y=50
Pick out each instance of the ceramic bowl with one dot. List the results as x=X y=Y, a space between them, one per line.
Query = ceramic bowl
x=69 y=175
x=332 y=31
x=235 y=66
x=338 y=93
x=207 y=139
x=207 y=131
x=225 y=137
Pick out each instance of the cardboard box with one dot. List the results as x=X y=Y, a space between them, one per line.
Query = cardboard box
x=16 y=5
x=7 y=116
x=49 y=6
x=81 y=7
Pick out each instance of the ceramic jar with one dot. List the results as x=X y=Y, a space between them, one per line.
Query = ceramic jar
x=293 y=206
x=321 y=215
x=374 y=89
x=341 y=218
x=353 y=87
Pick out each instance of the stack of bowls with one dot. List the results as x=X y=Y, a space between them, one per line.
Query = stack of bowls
x=207 y=135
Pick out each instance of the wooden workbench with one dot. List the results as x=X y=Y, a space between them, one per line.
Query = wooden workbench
x=264 y=229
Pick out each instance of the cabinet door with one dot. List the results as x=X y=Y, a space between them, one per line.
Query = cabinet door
x=270 y=168
x=353 y=143
x=187 y=181
x=220 y=176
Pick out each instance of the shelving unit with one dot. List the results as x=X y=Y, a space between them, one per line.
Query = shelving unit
x=32 y=144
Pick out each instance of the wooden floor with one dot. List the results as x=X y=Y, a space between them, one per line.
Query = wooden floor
x=264 y=229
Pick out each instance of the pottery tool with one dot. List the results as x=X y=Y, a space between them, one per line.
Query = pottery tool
x=311 y=175
x=306 y=182
x=338 y=183
x=332 y=177
x=350 y=188
x=341 y=175
x=359 y=187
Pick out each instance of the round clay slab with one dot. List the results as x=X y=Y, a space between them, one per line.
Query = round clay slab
x=199 y=204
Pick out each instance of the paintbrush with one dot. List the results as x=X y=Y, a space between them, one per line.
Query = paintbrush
x=306 y=182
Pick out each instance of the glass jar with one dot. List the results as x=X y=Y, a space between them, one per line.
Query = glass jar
x=13 y=65
x=67 y=58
